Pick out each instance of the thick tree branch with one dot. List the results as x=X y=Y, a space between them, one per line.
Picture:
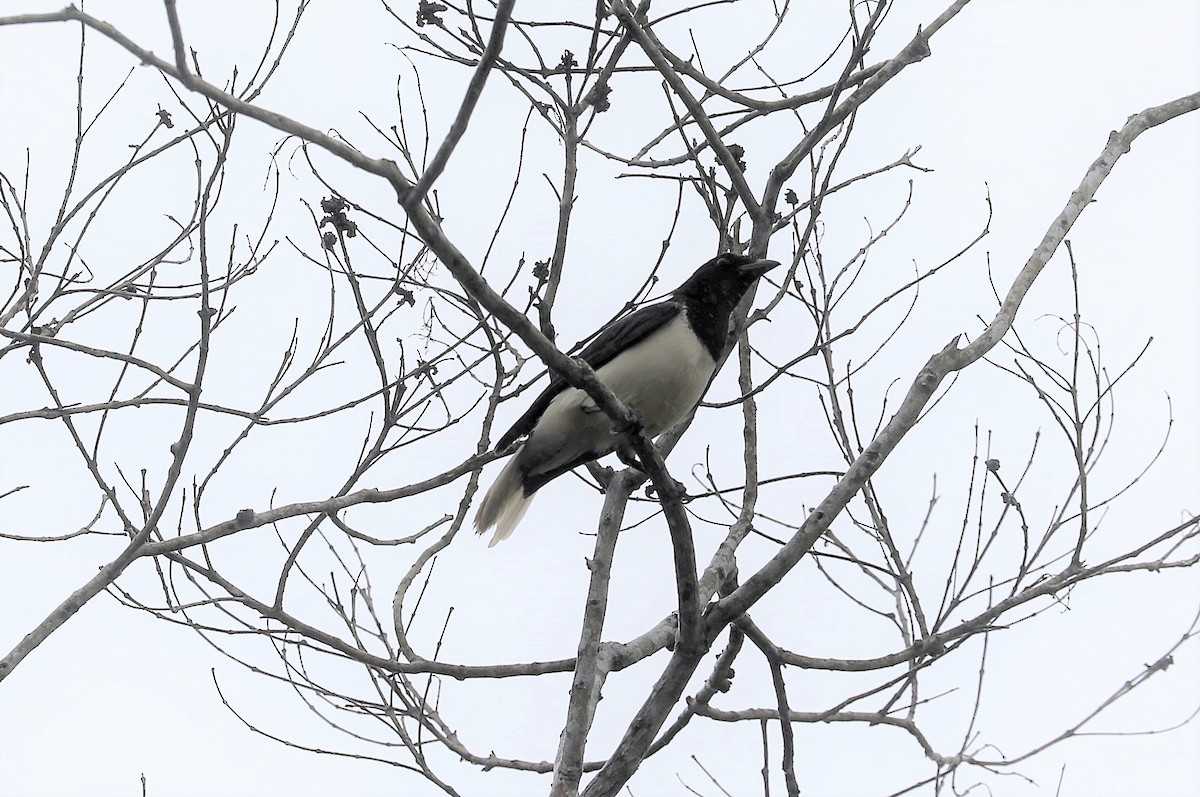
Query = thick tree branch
x=950 y=359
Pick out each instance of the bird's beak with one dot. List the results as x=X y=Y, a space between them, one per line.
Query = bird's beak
x=758 y=267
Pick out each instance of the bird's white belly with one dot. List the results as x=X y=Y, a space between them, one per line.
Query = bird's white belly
x=662 y=378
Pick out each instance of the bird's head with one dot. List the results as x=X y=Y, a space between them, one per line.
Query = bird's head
x=722 y=282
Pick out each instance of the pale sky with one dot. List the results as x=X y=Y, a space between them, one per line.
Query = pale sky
x=1016 y=101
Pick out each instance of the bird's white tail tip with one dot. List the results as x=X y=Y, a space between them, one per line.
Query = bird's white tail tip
x=504 y=505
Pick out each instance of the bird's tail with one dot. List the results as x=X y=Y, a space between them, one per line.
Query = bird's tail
x=505 y=503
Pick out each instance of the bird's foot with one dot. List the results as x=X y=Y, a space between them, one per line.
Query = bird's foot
x=627 y=455
x=677 y=492
x=631 y=424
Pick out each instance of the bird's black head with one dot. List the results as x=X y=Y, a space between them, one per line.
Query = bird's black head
x=714 y=290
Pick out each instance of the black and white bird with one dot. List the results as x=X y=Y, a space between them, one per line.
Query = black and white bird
x=657 y=360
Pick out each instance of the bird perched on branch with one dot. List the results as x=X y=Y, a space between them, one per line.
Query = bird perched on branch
x=657 y=360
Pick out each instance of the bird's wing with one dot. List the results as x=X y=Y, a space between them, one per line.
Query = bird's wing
x=612 y=340
x=628 y=331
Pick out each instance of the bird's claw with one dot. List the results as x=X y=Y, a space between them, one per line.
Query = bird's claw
x=627 y=455
x=678 y=492
x=631 y=424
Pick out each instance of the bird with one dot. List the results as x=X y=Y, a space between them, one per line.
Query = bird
x=658 y=361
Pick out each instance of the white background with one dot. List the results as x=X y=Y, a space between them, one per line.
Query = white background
x=1017 y=99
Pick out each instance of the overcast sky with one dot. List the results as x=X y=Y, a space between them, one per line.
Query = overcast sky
x=1015 y=103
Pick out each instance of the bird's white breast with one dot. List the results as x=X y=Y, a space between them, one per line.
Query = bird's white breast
x=662 y=377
